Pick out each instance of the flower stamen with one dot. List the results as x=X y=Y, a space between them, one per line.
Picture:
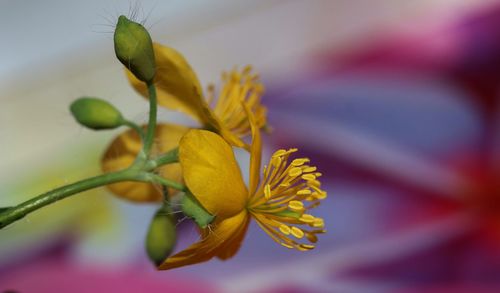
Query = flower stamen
x=239 y=86
x=278 y=203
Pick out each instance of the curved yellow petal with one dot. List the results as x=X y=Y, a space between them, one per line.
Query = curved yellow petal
x=177 y=86
x=233 y=139
x=233 y=246
x=223 y=240
x=255 y=150
x=212 y=173
x=121 y=154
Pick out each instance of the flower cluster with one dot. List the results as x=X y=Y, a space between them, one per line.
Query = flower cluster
x=279 y=198
x=194 y=166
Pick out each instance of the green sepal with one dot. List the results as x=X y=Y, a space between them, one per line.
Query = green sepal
x=193 y=209
x=162 y=236
x=95 y=113
x=134 y=48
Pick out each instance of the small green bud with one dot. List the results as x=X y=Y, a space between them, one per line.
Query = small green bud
x=161 y=237
x=95 y=113
x=193 y=209
x=134 y=48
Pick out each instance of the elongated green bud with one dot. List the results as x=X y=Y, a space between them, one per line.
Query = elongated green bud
x=162 y=236
x=193 y=209
x=95 y=113
x=134 y=48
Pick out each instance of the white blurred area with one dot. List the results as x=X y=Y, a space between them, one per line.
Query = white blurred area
x=55 y=51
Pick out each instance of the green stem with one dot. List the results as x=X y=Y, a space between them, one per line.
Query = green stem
x=135 y=127
x=19 y=211
x=150 y=133
x=140 y=171
x=169 y=157
x=12 y=214
x=166 y=182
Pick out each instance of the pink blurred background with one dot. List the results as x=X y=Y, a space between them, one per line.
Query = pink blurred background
x=396 y=102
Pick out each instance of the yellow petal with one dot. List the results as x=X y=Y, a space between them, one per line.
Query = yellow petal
x=223 y=240
x=121 y=154
x=232 y=138
x=255 y=151
x=233 y=246
x=177 y=86
x=178 y=89
x=212 y=173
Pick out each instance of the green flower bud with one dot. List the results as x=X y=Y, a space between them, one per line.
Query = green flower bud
x=96 y=114
x=134 y=48
x=193 y=209
x=161 y=237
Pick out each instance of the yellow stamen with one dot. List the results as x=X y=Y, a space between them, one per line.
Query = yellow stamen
x=294 y=172
x=267 y=191
x=275 y=161
x=299 y=162
x=296 y=205
x=307 y=246
x=298 y=233
x=307 y=218
x=309 y=169
x=285 y=229
x=314 y=183
x=304 y=192
x=279 y=153
x=279 y=203
x=308 y=177
x=320 y=195
x=311 y=237
x=318 y=223
x=267 y=225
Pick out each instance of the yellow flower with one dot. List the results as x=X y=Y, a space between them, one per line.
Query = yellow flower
x=122 y=152
x=279 y=202
x=178 y=88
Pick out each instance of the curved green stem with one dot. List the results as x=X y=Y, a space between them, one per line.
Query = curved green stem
x=19 y=211
x=12 y=214
x=150 y=133
x=166 y=182
x=135 y=127
x=169 y=157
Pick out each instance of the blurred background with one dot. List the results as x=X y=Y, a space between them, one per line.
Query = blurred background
x=396 y=102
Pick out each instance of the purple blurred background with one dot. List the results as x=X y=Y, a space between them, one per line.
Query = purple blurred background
x=396 y=103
